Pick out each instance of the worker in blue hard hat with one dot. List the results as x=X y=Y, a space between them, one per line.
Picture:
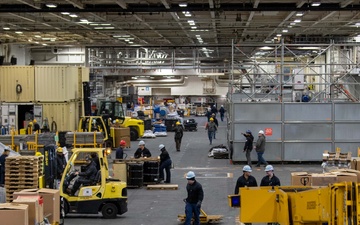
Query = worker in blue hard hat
x=245 y=180
x=248 y=147
x=195 y=196
x=270 y=179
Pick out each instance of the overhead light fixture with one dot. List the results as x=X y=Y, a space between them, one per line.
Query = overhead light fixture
x=193 y=27
x=285 y=31
x=183 y=4
x=316 y=3
x=289 y=26
x=130 y=42
x=278 y=35
x=73 y=15
x=357 y=24
x=6 y=28
x=44 y=44
x=65 y=13
x=98 y=28
x=51 y=5
x=18 y=32
x=37 y=36
x=299 y=14
x=292 y=24
x=109 y=28
x=297 y=21
x=84 y=20
x=188 y=14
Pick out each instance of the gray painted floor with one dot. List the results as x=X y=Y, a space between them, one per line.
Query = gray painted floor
x=218 y=177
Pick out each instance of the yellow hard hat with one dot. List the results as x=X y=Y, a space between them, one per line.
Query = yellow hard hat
x=34 y=121
x=117 y=121
x=30 y=123
x=178 y=123
x=38 y=154
x=211 y=119
x=59 y=149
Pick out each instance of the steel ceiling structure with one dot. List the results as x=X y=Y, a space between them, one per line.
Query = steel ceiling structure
x=210 y=25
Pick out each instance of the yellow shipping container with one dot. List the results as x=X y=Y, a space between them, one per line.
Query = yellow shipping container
x=17 y=83
x=56 y=83
x=65 y=115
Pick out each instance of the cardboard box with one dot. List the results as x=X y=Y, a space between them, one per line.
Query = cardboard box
x=300 y=178
x=122 y=131
x=355 y=163
x=350 y=171
x=51 y=200
x=345 y=177
x=35 y=209
x=14 y=214
x=323 y=179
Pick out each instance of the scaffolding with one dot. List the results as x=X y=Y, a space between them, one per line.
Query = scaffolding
x=295 y=72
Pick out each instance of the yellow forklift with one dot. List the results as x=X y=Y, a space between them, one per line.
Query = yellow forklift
x=297 y=205
x=104 y=194
x=113 y=110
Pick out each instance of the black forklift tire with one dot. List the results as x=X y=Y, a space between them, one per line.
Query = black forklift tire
x=109 y=211
x=66 y=207
x=133 y=134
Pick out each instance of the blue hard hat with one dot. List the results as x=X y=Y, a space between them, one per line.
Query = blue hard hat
x=248 y=131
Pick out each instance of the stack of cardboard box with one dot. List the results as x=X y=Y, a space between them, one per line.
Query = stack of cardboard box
x=22 y=172
x=31 y=206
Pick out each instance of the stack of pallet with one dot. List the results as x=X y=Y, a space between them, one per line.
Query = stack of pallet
x=22 y=172
x=337 y=159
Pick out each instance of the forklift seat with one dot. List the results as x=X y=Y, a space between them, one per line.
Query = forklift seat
x=97 y=178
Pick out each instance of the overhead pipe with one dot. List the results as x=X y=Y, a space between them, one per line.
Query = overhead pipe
x=164 y=82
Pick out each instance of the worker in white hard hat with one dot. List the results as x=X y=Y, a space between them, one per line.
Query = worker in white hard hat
x=222 y=112
x=195 y=196
x=165 y=163
x=245 y=180
x=260 y=148
x=142 y=151
x=270 y=179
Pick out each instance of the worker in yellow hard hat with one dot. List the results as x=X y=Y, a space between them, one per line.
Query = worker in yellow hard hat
x=178 y=135
x=211 y=128
x=36 y=126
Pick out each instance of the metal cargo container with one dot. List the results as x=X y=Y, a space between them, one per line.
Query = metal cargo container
x=65 y=115
x=17 y=83
x=56 y=83
x=18 y=115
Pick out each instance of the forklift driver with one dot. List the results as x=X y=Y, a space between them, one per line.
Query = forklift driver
x=85 y=178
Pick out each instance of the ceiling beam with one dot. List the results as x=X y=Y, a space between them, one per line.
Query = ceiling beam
x=29 y=3
x=76 y=3
x=121 y=3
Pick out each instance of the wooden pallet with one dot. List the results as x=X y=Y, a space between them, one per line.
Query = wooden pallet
x=163 y=187
x=204 y=218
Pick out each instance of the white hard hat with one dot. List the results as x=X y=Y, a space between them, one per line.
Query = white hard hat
x=161 y=146
x=141 y=143
x=261 y=132
x=247 y=168
x=190 y=175
x=269 y=168
x=222 y=105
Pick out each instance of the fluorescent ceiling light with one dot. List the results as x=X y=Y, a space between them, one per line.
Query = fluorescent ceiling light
x=297 y=21
x=105 y=24
x=6 y=28
x=84 y=20
x=299 y=14
x=36 y=42
x=130 y=42
x=292 y=24
x=98 y=28
x=18 y=32
x=191 y=21
x=109 y=28
x=44 y=44
x=51 y=5
x=316 y=3
x=198 y=35
x=183 y=4
x=37 y=36
x=285 y=31
x=266 y=48
x=289 y=26
x=73 y=15
x=193 y=27
x=278 y=35
x=188 y=15
x=357 y=24
x=65 y=13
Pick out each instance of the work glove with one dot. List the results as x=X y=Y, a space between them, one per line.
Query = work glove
x=198 y=204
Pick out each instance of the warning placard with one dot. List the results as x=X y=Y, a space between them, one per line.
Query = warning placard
x=268 y=131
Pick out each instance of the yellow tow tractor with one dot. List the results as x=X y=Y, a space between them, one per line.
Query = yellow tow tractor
x=103 y=194
x=335 y=204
